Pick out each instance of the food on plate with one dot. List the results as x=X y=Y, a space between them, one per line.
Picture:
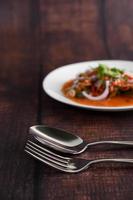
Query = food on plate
x=100 y=84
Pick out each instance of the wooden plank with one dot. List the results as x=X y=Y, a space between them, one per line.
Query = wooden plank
x=19 y=82
x=71 y=32
x=74 y=30
x=119 y=23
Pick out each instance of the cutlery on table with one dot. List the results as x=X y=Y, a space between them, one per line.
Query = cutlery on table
x=66 y=142
x=66 y=164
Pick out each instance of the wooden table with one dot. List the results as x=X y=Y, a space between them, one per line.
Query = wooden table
x=35 y=38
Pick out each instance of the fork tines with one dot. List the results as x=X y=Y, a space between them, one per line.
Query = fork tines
x=47 y=156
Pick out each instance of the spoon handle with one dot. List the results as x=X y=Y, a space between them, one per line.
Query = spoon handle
x=126 y=143
x=115 y=160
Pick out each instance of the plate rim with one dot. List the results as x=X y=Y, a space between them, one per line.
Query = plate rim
x=75 y=104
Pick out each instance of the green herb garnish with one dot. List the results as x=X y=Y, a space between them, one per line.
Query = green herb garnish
x=103 y=70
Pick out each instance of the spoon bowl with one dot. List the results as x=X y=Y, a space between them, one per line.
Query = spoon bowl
x=66 y=142
x=58 y=139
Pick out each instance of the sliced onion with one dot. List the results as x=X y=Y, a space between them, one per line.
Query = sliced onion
x=100 y=97
x=130 y=81
x=93 y=77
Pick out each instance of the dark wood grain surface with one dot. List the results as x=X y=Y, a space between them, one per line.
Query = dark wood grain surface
x=35 y=38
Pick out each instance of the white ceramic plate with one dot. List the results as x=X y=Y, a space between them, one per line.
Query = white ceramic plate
x=53 y=82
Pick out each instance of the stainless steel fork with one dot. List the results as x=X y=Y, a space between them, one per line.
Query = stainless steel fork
x=66 y=164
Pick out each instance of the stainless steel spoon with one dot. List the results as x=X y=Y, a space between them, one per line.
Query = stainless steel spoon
x=66 y=142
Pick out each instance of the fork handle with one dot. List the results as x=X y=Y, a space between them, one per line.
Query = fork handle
x=116 y=160
x=126 y=143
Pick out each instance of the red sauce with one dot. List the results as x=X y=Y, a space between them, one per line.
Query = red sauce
x=120 y=100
